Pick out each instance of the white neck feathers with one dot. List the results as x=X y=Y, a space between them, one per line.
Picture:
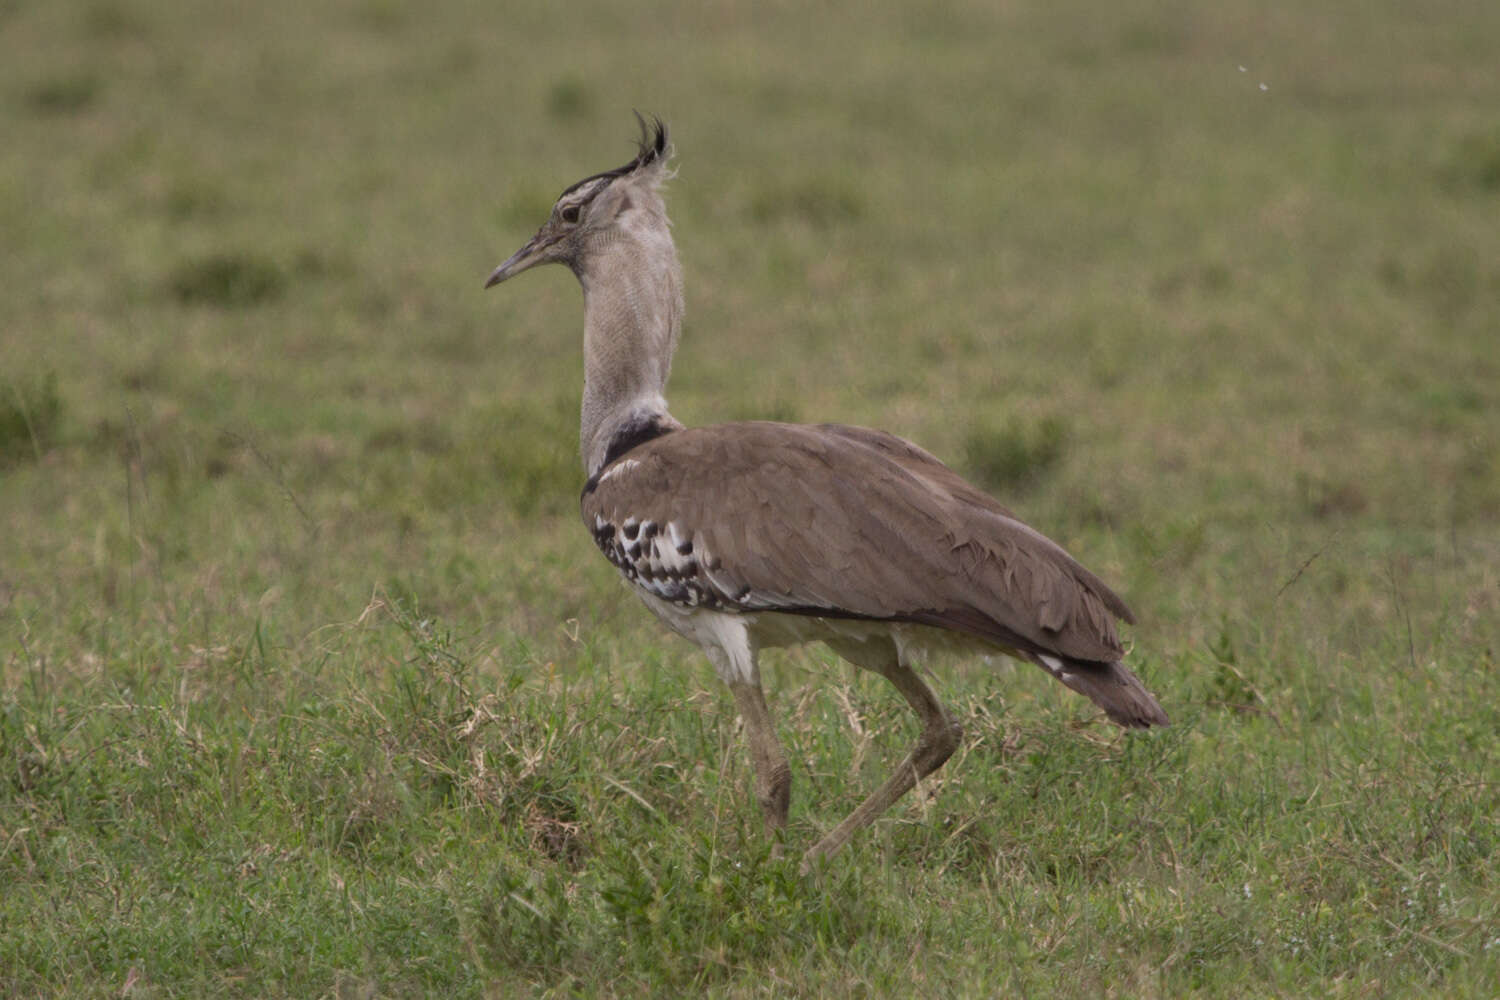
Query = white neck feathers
x=632 y=291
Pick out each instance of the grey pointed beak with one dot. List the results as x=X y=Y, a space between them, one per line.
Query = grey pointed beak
x=522 y=259
x=514 y=265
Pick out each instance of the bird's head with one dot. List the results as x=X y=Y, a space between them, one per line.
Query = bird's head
x=593 y=214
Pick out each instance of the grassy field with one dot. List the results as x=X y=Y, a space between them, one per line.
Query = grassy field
x=312 y=685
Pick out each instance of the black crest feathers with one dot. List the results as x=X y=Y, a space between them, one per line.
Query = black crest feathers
x=652 y=145
x=651 y=148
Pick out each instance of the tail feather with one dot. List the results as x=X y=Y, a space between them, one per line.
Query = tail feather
x=1112 y=687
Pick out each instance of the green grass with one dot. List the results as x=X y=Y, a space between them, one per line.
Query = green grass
x=311 y=684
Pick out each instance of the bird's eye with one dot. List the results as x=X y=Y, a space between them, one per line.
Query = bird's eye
x=570 y=214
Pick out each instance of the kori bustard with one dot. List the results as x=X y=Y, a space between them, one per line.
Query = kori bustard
x=743 y=536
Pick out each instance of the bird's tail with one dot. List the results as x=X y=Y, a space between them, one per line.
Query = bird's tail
x=1112 y=687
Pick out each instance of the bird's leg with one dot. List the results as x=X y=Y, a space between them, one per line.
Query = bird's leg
x=940 y=737
x=773 y=776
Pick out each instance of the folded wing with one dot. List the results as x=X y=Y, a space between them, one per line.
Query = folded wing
x=840 y=521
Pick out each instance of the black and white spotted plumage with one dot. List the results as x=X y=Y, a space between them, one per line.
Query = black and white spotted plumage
x=661 y=563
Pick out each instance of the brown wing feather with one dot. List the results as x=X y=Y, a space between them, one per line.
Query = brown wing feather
x=842 y=521
x=924 y=464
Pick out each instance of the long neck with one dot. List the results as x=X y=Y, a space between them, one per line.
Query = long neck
x=632 y=295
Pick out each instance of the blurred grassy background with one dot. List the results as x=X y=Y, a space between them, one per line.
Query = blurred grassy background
x=1210 y=295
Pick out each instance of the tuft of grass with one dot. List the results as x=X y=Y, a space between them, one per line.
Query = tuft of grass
x=194 y=198
x=1474 y=162
x=819 y=201
x=1326 y=500
x=570 y=98
x=1017 y=454
x=65 y=95
x=30 y=415
x=227 y=280
x=111 y=20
